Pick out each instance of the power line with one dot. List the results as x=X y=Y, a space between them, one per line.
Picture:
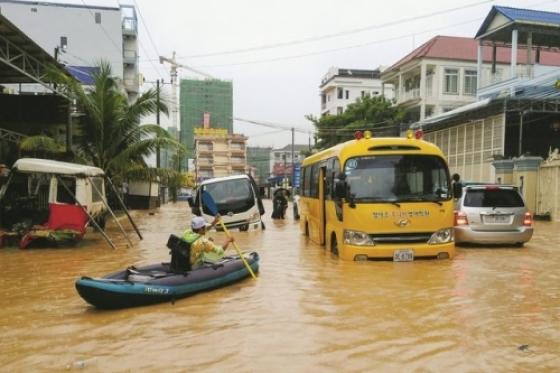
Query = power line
x=149 y=37
x=338 y=34
x=103 y=28
x=285 y=127
x=332 y=50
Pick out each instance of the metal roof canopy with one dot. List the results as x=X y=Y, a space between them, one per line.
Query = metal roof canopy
x=482 y=109
x=22 y=60
x=47 y=166
x=501 y=21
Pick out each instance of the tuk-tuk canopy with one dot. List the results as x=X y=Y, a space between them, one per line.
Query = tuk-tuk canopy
x=47 y=166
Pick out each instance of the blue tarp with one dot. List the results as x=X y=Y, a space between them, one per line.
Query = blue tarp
x=84 y=74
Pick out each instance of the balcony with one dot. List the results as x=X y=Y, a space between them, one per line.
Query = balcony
x=130 y=57
x=410 y=95
x=204 y=149
x=129 y=26
x=237 y=150
x=132 y=84
x=238 y=160
x=501 y=84
x=204 y=162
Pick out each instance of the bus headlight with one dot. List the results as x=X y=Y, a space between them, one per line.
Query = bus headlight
x=357 y=238
x=442 y=236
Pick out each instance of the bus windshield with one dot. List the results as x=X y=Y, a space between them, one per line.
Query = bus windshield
x=397 y=178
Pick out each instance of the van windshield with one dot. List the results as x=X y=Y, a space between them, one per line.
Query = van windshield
x=397 y=178
x=231 y=196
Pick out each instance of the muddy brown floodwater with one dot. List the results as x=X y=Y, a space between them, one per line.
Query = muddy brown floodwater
x=489 y=309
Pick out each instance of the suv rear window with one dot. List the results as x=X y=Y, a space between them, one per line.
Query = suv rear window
x=493 y=198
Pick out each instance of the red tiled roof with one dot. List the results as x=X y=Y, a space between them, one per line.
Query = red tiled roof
x=465 y=49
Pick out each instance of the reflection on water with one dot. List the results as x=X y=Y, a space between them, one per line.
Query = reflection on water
x=488 y=309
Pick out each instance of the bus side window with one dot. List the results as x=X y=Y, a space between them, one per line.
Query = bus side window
x=308 y=175
x=328 y=179
x=314 y=181
x=332 y=176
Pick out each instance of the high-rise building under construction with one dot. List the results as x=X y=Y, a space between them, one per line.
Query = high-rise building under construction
x=198 y=97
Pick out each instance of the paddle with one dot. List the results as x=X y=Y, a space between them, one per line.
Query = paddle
x=208 y=201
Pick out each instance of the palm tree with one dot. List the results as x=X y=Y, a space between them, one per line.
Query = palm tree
x=111 y=135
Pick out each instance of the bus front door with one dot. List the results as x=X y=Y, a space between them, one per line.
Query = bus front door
x=322 y=212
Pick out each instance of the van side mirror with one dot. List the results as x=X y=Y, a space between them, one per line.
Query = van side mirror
x=190 y=201
x=340 y=186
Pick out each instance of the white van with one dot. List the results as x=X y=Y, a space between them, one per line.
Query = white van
x=237 y=200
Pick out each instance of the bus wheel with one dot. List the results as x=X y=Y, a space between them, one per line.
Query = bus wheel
x=244 y=228
x=334 y=245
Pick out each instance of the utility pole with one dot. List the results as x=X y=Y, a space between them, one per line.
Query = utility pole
x=293 y=130
x=174 y=65
x=158 y=155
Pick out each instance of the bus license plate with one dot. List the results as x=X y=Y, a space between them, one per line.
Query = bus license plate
x=403 y=255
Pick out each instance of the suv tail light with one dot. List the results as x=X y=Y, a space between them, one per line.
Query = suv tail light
x=528 y=219
x=461 y=218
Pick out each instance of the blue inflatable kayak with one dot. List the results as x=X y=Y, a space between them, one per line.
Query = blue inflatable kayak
x=158 y=283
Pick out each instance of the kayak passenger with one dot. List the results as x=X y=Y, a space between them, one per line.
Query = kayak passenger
x=203 y=249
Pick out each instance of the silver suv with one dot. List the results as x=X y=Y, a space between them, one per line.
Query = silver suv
x=492 y=214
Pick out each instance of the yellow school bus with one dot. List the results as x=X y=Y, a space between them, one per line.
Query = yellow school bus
x=379 y=198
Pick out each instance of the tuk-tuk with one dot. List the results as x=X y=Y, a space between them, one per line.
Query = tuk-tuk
x=52 y=200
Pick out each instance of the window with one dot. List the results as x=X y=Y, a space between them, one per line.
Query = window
x=363 y=94
x=62 y=193
x=451 y=77
x=493 y=198
x=339 y=110
x=97 y=189
x=339 y=93
x=307 y=181
x=347 y=94
x=314 y=181
x=397 y=178
x=470 y=82
x=230 y=196
x=97 y=17
x=333 y=168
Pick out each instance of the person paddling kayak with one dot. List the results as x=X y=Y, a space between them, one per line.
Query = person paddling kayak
x=203 y=249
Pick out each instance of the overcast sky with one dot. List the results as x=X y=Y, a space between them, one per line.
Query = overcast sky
x=281 y=85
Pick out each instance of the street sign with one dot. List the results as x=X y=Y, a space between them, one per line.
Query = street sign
x=296 y=175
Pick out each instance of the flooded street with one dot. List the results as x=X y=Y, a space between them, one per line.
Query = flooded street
x=492 y=309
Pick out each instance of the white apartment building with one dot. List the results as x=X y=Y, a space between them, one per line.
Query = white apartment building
x=281 y=159
x=341 y=87
x=441 y=75
x=80 y=36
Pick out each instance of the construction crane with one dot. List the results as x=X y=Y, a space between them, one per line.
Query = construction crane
x=174 y=65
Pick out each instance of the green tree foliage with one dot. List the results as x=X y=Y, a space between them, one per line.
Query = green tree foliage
x=111 y=135
x=376 y=114
x=41 y=146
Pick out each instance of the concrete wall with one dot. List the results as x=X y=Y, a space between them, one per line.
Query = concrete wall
x=548 y=189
